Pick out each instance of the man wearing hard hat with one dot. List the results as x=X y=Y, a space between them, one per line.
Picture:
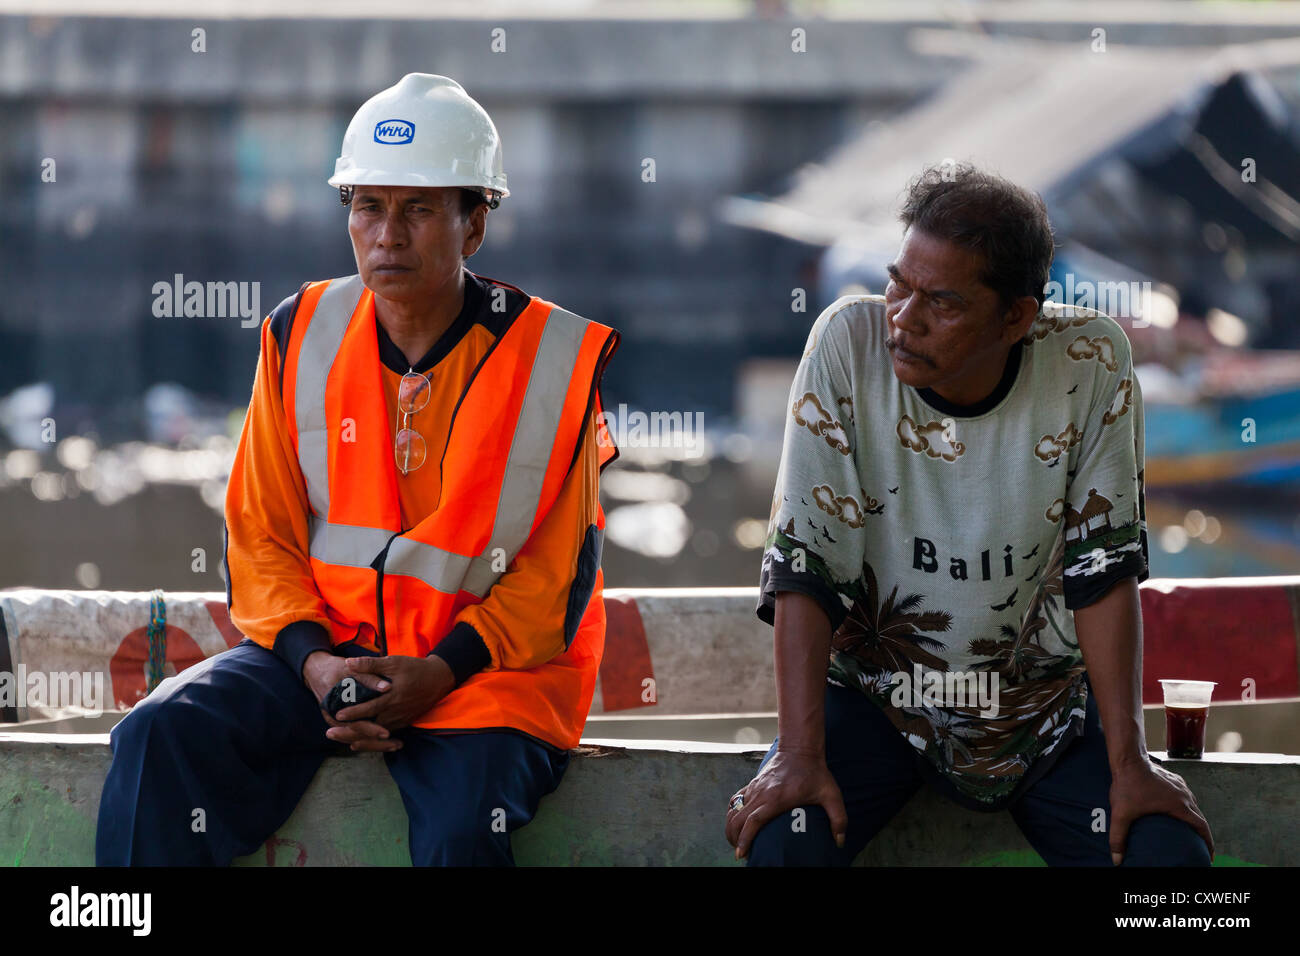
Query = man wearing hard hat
x=413 y=532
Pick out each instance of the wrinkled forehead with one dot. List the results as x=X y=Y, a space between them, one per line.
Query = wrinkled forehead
x=929 y=262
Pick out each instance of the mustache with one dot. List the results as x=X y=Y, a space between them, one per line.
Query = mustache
x=894 y=346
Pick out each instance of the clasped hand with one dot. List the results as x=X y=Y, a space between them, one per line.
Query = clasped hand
x=408 y=687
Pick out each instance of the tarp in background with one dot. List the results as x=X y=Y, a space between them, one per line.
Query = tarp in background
x=1133 y=149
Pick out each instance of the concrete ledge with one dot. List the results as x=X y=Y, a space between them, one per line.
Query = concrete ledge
x=650 y=804
x=1237 y=631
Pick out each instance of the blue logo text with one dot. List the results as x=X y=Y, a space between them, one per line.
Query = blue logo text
x=394 y=132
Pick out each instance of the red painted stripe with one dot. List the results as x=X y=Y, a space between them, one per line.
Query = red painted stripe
x=221 y=618
x=625 y=666
x=1220 y=632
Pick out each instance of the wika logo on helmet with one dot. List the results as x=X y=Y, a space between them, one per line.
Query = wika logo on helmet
x=394 y=132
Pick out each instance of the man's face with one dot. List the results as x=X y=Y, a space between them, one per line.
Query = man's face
x=410 y=242
x=946 y=329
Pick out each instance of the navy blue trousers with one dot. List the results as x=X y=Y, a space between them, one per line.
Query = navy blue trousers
x=878 y=772
x=239 y=737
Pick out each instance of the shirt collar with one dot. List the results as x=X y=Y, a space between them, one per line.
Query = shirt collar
x=986 y=404
x=394 y=359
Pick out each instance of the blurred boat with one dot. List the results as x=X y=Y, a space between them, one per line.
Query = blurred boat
x=1236 y=421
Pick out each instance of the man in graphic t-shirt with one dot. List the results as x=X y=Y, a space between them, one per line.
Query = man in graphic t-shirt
x=952 y=564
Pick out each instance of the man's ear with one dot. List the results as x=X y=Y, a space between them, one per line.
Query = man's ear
x=477 y=231
x=1020 y=317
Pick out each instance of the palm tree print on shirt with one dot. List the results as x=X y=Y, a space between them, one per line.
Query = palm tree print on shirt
x=1041 y=689
x=1020 y=653
x=983 y=756
x=889 y=635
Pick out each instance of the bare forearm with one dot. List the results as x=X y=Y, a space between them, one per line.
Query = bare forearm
x=803 y=644
x=1110 y=636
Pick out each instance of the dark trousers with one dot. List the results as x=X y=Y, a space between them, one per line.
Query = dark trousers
x=239 y=737
x=877 y=772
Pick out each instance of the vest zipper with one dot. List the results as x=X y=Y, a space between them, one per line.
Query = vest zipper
x=378 y=565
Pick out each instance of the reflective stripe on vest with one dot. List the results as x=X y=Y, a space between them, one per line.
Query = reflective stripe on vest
x=356 y=547
x=539 y=418
x=320 y=344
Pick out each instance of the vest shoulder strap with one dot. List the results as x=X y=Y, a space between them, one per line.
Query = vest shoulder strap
x=282 y=326
x=318 y=345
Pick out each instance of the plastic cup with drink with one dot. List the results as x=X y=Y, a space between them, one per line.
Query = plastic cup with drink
x=1187 y=703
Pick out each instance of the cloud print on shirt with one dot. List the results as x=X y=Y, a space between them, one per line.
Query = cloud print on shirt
x=928 y=438
x=1099 y=347
x=1055 y=321
x=1120 y=403
x=809 y=412
x=844 y=507
x=1050 y=448
x=845 y=403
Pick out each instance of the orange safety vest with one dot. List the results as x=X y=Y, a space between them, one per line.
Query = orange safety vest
x=512 y=440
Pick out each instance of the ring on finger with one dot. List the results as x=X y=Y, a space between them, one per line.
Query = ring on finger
x=737 y=802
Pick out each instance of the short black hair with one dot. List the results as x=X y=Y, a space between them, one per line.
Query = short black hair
x=1003 y=222
x=470 y=199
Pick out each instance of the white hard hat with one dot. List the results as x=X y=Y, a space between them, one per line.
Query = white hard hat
x=425 y=131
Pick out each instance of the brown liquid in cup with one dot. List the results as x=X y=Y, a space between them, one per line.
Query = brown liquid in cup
x=1185 y=731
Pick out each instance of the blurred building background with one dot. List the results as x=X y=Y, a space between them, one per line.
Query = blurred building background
x=141 y=145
